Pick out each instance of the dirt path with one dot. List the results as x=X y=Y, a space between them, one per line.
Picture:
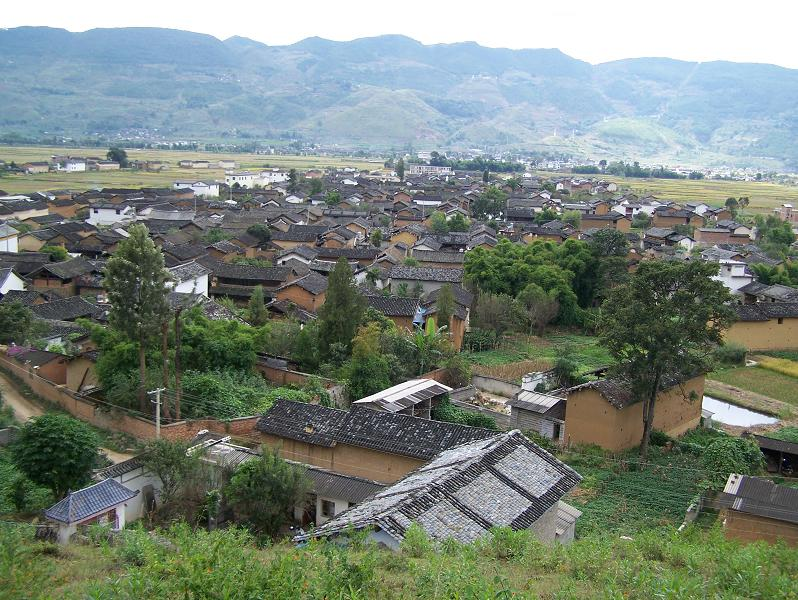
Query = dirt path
x=24 y=409
x=786 y=413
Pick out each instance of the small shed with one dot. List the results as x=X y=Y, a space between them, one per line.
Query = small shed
x=781 y=456
x=415 y=398
x=541 y=413
x=104 y=503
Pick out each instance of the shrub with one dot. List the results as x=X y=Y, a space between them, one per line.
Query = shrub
x=478 y=339
x=446 y=411
x=459 y=371
x=416 y=543
x=541 y=440
x=730 y=354
x=731 y=455
x=788 y=434
x=660 y=438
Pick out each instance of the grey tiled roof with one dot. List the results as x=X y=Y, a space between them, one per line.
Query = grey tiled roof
x=618 y=392
x=426 y=274
x=456 y=258
x=344 y=487
x=502 y=481
x=68 y=309
x=188 y=271
x=393 y=306
x=394 y=434
x=312 y=282
x=95 y=499
x=764 y=311
x=70 y=268
x=363 y=253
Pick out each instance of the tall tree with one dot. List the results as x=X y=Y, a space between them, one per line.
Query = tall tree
x=662 y=326
x=400 y=169
x=444 y=306
x=16 y=323
x=541 y=307
x=171 y=463
x=135 y=279
x=316 y=186
x=258 y=314
x=342 y=310
x=438 y=222
x=56 y=451
x=609 y=242
x=293 y=181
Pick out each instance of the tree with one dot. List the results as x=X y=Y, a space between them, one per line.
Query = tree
x=117 y=155
x=417 y=290
x=609 y=242
x=316 y=186
x=641 y=220
x=573 y=218
x=376 y=238
x=263 y=492
x=546 y=215
x=494 y=312
x=728 y=455
x=438 y=222
x=368 y=370
x=293 y=181
x=56 y=451
x=400 y=169
x=135 y=279
x=57 y=253
x=444 y=306
x=489 y=204
x=16 y=323
x=541 y=307
x=260 y=231
x=258 y=314
x=170 y=462
x=342 y=310
x=459 y=223
x=332 y=198
x=485 y=176
x=662 y=326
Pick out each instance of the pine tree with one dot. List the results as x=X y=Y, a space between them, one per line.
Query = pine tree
x=400 y=169
x=135 y=279
x=342 y=310
x=258 y=315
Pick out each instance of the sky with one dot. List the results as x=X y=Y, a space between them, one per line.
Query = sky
x=591 y=30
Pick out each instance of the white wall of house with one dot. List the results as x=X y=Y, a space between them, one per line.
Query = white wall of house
x=109 y=216
x=9 y=244
x=338 y=504
x=733 y=275
x=12 y=282
x=274 y=176
x=73 y=166
x=198 y=285
x=244 y=180
x=200 y=188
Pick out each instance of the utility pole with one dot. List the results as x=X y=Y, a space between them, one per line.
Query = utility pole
x=157 y=403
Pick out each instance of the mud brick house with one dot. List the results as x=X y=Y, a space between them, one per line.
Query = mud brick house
x=307 y=292
x=400 y=310
x=765 y=326
x=61 y=276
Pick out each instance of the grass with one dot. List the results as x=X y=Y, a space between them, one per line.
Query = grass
x=784 y=366
x=539 y=352
x=14 y=184
x=760 y=381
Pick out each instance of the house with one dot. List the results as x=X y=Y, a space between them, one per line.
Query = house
x=666 y=216
x=32 y=168
x=238 y=281
x=134 y=475
x=307 y=292
x=606 y=413
x=109 y=214
x=80 y=372
x=47 y=365
x=189 y=278
x=463 y=493
x=606 y=221
x=9 y=238
x=104 y=503
x=459 y=322
x=765 y=326
x=733 y=273
x=10 y=282
x=360 y=442
x=761 y=292
x=68 y=309
x=416 y=397
x=666 y=236
x=429 y=279
x=439 y=260
x=720 y=235
x=756 y=509
x=205 y=189
x=542 y=413
x=781 y=456
x=242 y=179
x=362 y=255
x=62 y=276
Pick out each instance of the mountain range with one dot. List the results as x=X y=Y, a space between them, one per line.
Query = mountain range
x=394 y=92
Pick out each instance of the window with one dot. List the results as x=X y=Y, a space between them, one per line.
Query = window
x=328 y=508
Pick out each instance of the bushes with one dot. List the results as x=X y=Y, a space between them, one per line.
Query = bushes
x=477 y=340
x=730 y=354
x=446 y=411
x=731 y=455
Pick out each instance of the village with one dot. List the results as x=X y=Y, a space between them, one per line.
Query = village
x=416 y=351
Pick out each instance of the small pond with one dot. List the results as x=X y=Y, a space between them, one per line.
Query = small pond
x=723 y=412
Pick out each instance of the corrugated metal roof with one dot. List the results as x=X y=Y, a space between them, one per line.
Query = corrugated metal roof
x=534 y=401
x=401 y=396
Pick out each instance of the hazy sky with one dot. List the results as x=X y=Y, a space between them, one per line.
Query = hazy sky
x=592 y=30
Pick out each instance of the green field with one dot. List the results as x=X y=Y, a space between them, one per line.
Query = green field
x=760 y=381
x=16 y=184
x=539 y=353
x=764 y=196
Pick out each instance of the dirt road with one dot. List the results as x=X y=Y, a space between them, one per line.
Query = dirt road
x=24 y=409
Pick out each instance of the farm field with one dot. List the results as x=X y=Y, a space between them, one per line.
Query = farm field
x=15 y=184
x=764 y=196
x=761 y=381
x=518 y=355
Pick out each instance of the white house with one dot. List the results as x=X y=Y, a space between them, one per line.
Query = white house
x=273 y=176
x=733 y=273
x=208 y=189
x=73 y=165
x=108 y=214
x=10 y=281
x=136 y=477
x=189 y=278
x=104 y=503
x=243 y=179
x=9 y=238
